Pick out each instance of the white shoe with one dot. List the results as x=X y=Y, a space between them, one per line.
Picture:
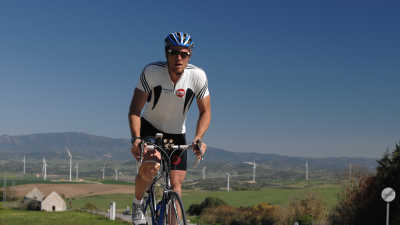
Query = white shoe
x=138 y=217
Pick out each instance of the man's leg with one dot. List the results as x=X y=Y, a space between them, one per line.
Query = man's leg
x=177 y=178
x=147 y=172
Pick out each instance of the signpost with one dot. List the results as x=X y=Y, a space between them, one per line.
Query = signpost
x=388 y=195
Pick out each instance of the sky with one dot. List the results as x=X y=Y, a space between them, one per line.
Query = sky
x=298 y=78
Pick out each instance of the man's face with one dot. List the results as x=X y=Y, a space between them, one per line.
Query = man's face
x=178 y=58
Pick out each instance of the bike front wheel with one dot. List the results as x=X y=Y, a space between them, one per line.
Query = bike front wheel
x=175 y=213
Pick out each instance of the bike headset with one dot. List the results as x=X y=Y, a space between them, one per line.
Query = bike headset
x=179 y=39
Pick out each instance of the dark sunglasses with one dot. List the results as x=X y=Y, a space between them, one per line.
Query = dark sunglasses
x=175 y=52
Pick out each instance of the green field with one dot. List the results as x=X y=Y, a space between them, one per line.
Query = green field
x=18 y=217
x=103 y=201
x=275 y=196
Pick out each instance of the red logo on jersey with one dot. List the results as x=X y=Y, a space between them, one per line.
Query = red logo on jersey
x=176 y=160
x=180 y=93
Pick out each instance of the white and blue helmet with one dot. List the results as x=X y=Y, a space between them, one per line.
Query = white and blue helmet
x=179 y=39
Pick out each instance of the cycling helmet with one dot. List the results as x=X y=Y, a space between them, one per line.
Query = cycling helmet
x=180 y=39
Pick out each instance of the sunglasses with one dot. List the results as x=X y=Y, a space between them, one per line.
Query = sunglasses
x=175 y=52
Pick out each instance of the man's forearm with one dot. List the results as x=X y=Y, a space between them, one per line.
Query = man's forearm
x=135 y=108
x=134 y=124
x=203 y=124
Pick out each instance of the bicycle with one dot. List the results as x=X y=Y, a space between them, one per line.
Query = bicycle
x=169 y=210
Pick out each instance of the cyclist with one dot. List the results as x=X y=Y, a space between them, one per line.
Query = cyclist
x=168 y=88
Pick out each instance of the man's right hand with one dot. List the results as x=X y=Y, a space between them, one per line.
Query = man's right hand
x=135 y=150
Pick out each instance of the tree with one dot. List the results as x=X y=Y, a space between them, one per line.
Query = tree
x=362 y=203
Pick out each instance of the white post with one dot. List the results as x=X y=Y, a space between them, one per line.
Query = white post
x=204 y=172
x=44 y=169
x=70 y=169
x=388 y=195
x=387 y=214
x=112 y=210
x=227 y=184
x=254 y=171
x=24 y=164
x=77 y=172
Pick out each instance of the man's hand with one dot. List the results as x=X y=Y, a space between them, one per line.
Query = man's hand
x=151 y=155
x=135 y=150
x=199 y=152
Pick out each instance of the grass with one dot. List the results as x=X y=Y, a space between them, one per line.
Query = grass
x=275 y=196
x=17 y=217
x=103 y=201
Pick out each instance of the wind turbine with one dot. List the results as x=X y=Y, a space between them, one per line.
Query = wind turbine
x=104 y=169
x=24 y=160
x=116 y=174
x=77 y=171
x=227 y=184
x=204 y=172
x=254 y=169
x=44 y=169
x=307 y=175
x=70 y=164
x=107 y=156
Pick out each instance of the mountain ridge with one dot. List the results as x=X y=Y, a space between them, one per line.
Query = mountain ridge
x=86 y=145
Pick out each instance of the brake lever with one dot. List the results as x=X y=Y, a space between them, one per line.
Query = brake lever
x=141 y=146
x=198 y=147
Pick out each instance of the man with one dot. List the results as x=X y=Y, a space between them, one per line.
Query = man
x=169 y=89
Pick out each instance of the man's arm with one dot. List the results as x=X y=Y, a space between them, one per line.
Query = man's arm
x=137 y=103
x=204 y=117
x=202 y=124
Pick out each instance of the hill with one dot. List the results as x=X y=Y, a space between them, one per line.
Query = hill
x=86 y=146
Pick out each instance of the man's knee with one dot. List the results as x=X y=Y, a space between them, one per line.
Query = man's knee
x=148 y=170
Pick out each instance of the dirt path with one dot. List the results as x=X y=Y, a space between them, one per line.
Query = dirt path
x=73 y=190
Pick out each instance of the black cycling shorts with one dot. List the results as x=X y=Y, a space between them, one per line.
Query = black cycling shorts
x=178 y=163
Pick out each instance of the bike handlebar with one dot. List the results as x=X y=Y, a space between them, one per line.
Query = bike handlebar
x=183 y=148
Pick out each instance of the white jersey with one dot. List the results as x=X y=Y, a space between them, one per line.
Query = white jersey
x=168 y=104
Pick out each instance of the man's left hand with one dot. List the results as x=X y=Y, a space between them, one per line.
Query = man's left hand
x=202 y=150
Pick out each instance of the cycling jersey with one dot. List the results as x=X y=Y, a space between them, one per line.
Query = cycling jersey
x=167 y=103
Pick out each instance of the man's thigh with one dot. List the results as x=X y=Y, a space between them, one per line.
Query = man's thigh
x=177 y=177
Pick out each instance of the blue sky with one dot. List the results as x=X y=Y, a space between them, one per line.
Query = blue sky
x=303 y=78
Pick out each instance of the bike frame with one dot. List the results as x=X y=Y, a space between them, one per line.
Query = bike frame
x=159 y=209
x=162 y=204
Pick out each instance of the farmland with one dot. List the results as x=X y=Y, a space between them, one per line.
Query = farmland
x=275 y=196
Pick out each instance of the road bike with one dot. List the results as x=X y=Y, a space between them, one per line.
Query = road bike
x=169 y=209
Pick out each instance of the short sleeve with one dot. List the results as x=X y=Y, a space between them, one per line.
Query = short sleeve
x=143 y=83
x=202 y=85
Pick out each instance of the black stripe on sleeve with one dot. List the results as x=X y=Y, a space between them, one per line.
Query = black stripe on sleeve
x=202 y=91
x=144 y=83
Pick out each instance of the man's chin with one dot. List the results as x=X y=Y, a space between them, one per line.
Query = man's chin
x=179 y=72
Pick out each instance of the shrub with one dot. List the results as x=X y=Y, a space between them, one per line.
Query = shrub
x=90 y=206
x=210 y=202
x=306 y=211
x=261 y=214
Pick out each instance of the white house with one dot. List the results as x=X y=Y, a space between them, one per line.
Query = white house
x=34 y=194
x=54 y=202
